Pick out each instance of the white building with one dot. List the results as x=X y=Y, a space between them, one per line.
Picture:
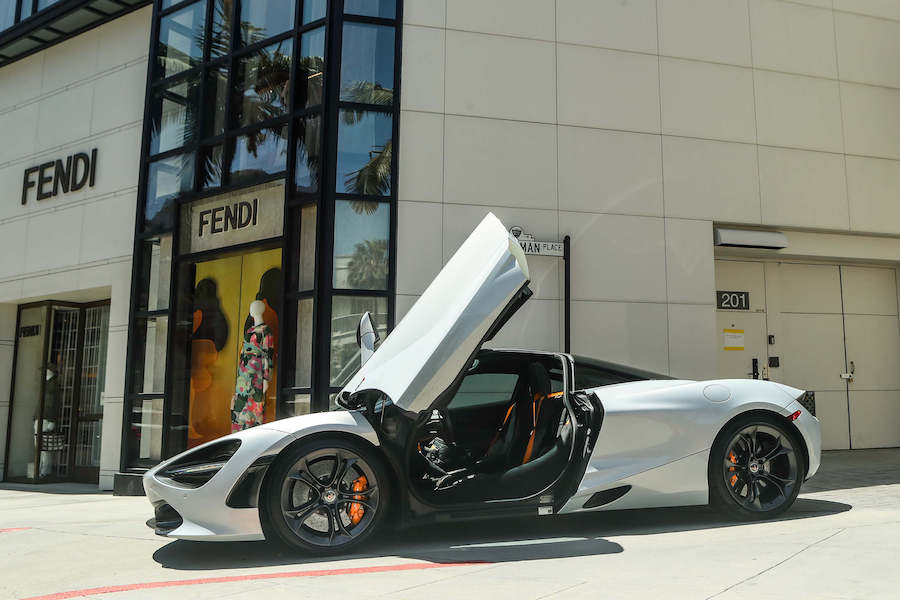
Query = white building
x=644 y=130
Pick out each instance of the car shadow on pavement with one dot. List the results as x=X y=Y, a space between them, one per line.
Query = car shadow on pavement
x=499 y=540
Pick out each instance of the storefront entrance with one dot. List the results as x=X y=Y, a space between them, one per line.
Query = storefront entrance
x=829 y=328
x=56 y=408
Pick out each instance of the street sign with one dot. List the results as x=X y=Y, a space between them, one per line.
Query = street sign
x=534 y=247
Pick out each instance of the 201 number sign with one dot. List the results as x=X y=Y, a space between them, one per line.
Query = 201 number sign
x=733 y=300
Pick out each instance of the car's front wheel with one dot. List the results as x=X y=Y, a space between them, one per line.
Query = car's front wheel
x=327 y=495
x=756 y=466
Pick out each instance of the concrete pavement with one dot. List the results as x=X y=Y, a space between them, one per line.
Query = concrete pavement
x=840 y=540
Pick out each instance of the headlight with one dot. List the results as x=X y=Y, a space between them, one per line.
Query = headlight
x=196 y=468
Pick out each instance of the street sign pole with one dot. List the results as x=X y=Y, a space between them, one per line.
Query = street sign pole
x=561 y=250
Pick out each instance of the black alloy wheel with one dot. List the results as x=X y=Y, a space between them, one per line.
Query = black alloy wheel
x=755 y=468
x=327 y=496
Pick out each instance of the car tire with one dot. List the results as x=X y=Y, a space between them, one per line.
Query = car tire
x=756 y=467
x=326 y=496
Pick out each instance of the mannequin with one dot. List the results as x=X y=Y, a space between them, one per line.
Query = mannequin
x=254 y=372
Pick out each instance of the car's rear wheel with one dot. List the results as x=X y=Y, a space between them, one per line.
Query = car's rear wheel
x=327 y=496
x=756 y=466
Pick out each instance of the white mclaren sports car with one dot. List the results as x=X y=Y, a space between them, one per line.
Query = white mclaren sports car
x=437 y=427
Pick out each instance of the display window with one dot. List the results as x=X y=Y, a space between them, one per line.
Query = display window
x=234 y=344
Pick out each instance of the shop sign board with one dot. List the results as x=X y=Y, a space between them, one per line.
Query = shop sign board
x=53 y=177
x=533 y=247
x=239 y=217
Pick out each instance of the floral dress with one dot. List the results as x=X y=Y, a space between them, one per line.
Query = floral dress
x=254 y=368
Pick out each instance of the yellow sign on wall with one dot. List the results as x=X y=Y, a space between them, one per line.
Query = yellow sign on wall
x=734 y=339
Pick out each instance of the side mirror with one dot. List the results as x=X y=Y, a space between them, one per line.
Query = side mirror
x=366 y=337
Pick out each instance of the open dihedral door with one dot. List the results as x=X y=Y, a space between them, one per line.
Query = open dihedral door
x=588 y=421
x=479 y=287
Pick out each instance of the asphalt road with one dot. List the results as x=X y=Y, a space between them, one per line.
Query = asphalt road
x=840 y=540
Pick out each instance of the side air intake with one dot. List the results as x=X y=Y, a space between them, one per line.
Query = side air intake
x=606 y=496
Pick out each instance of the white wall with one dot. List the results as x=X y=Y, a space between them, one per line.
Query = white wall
x=87 y=92
x=632 y=127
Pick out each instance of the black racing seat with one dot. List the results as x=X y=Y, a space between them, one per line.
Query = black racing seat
x=520 y=481
x=529 y=425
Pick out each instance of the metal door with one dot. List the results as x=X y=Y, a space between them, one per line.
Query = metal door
x=741 y=329
x=805 y=320
x=88 y=414
x=872 y=331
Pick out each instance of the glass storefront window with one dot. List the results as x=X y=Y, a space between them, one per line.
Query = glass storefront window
x=386 y=9
x=364 y=153
x=303 y=372
x=145 y=443
x=156 y=273
x=262 y=83
x=220 y=36
x=181 y=36
x=346 y=312
x=42 y=4
x=166 y=180
x=311 y=71
x=367 y=64
x=259 y=154
x=361 y=233
x=173 y=113
x=212 y=167
x=7 y=13
x=307 y=278
x=25 y=11
x=261 y=19
x=313 y=10
x=216 y=91
x=299 y=405
x=309 y=141
x=149 y=369
x=233 y=306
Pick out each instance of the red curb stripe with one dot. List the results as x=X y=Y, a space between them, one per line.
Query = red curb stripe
x=320 y=573
x=8 y=530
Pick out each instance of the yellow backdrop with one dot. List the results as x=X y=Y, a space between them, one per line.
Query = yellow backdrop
x=213 y=372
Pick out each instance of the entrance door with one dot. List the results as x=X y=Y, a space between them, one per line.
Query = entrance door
x=88 y=415
x=872 y=331
x=741 y=327
x=805 y=316
x=54 y=432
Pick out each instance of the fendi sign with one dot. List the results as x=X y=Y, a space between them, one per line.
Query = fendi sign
x=239 y=217
x=60 y=176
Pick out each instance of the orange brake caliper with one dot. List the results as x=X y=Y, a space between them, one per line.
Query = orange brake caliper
x=356 y=511
x=733 y=459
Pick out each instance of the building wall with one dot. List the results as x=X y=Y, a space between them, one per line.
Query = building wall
x=633 y=127
x=87 y=92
